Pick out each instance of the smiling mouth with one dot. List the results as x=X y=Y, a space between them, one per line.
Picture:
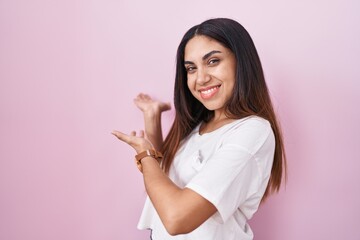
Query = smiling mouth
x=209 y=92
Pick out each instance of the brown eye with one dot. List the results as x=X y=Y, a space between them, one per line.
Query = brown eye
x=190 y=69
x=213 y=61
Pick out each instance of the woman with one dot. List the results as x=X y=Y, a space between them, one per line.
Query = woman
x=224 y=153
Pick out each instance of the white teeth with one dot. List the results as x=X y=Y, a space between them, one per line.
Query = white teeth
x=209 y=90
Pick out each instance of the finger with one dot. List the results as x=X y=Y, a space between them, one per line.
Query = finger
x=121 y=136
x=147 y=97
x=168 y=106
x=141 y=134
x=138 y=97
x=133 y=133
x=137 y=101
x=142 y=96
x=165 y=106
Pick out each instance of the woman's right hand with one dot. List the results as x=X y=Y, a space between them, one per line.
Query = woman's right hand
x=149 y=106
x=136 y=141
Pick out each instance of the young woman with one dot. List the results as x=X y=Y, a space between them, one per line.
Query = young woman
x=224 y=153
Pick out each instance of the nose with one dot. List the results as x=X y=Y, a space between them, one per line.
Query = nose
x=203 y=77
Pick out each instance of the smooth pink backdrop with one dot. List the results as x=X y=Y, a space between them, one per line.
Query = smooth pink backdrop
x=68 y=73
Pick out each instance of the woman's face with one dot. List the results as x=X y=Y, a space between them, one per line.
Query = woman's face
x=211 y=71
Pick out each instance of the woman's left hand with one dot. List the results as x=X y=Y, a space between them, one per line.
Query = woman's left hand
x=139 y=143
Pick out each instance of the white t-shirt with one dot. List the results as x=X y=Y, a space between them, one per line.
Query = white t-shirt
x=230 y=167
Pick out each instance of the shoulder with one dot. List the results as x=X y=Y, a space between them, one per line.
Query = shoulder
x=251 y=125
x=252 y=121
x=250 y=133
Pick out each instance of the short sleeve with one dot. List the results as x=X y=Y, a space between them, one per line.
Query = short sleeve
x=232 y=174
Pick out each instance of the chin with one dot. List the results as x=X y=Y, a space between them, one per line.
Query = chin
x=212 y=107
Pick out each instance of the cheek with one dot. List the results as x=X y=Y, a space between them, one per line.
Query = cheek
x=190 y=84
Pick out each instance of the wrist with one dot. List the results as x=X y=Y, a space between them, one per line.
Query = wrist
x=152 y=112
x=149 y=153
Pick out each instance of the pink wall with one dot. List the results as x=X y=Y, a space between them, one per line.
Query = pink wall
x=70 y=69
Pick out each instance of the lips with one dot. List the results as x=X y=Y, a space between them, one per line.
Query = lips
x=209 y=92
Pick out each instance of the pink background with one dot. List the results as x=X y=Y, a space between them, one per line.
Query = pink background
x=68 y=73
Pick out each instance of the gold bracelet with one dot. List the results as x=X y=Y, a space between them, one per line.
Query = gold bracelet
x=147 y=153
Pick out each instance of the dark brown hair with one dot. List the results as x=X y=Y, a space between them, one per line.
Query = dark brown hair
x=250 y=95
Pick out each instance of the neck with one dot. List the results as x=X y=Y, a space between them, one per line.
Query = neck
x=219 y=120
x=219 y=116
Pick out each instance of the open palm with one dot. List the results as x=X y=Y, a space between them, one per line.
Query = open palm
x=148 y=105
x=138 y=142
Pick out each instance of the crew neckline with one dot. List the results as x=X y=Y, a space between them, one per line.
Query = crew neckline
x=220 y=128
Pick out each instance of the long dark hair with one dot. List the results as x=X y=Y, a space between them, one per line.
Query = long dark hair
x=250 y=95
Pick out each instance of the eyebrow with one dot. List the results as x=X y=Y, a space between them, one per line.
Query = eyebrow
x=205 y=56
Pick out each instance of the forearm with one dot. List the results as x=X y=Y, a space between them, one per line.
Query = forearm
x=153 y=129
x=152 y=110
x=164 y=194
x=180 y=210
